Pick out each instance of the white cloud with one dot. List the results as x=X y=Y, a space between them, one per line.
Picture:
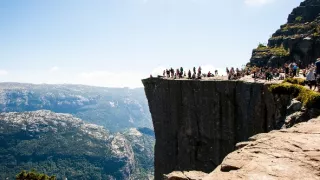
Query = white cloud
x=158 y=71
x=207 y=68
x=257 y=2
x=110 y=79
x=3 y=72
x=54 y=69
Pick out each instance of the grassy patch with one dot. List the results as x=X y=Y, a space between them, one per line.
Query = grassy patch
x=298 y=81
x=299 y=18
x=309 y=98
x=268 y=51
x=279 y=51
x=262 y=46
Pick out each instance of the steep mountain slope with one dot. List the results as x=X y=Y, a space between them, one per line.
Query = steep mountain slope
x=142 y=141
x=298 y=40
x=113 y=108
x=63 y=145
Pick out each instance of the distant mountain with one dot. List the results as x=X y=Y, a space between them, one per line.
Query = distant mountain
x=118 y=144
x=65 y=146
x=114 y=108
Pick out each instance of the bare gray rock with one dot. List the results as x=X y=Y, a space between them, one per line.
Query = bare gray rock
x=294 y=106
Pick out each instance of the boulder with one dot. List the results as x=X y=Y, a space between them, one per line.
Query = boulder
x=185 y=175
x=293 y=119
x=294 y=106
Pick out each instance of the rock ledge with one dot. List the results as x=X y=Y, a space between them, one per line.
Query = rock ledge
x=285 y=154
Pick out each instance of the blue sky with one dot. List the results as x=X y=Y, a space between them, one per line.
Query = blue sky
x=115 y=43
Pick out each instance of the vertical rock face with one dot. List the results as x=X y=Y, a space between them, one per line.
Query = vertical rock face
x=197 y=123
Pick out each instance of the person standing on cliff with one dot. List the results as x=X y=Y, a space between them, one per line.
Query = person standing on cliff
x=181 y=72
x=194 y=70
x=194 y=76
x=311 y=79
x=318 y=73
x=286 y=67
x=177 y=73
x=295 y=69
x=199 y=70
x=189 y=74
x=172 y=72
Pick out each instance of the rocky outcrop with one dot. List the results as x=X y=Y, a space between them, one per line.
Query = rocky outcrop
x=298 y=40
x=197 y=123
x=285 y=154
x=186 y=175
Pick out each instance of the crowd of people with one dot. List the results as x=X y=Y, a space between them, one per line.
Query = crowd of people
x=179 y=73
x=311 y=73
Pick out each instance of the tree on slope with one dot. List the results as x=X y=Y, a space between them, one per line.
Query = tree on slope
x=33 y=175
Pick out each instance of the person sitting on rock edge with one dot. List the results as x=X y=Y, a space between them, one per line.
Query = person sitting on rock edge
x=209 y=74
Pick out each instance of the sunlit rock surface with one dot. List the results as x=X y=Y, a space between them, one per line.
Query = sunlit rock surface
x=286 y=154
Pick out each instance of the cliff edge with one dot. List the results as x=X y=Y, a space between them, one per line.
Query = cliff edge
x=197 y=123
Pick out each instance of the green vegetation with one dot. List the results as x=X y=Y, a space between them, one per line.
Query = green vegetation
x=311 y=28
x=277 y=37
x=33 y=175
x=262 y=46
x=298 y=26
x=316 y=31
x=309 y=98
x=67 y=151
x=279 y=51
x=299 y=18
x=298 y=81
x=269 y=51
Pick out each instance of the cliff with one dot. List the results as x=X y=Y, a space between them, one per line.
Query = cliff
x=298 y=40
x=197 y=123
